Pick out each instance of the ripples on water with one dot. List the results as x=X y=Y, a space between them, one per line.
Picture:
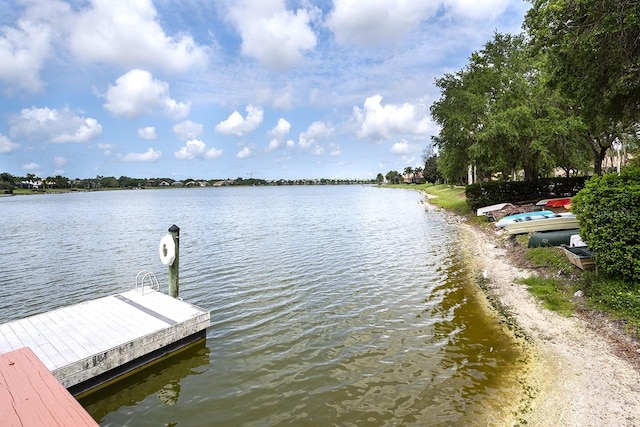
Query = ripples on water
x=329 y=305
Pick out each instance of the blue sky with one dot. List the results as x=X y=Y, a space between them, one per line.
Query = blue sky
x=230 y=88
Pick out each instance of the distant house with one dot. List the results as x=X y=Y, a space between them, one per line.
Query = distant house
x=223 y=183
x=177 y=184
x=414 y=178
x=31 y=184
x=164 y=184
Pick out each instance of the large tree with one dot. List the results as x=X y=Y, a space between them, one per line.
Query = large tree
x=593 y=48
x=494 y=114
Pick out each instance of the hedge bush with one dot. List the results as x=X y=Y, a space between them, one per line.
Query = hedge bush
x=609 y=212
x=493 y=192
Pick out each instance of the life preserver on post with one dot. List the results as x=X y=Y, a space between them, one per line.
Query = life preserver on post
x=167 y=250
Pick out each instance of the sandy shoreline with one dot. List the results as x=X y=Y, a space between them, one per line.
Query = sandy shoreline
x=579 y=378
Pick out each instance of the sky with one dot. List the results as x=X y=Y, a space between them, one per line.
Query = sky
x=214 y=89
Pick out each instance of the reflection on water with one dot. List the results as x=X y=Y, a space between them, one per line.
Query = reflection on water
x=330 y=305
x=161 y=379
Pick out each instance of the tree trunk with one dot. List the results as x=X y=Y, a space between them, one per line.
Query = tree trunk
x=528 y=174
x=599 y=146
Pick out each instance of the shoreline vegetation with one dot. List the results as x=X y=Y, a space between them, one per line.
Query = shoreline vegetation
x=585 y=351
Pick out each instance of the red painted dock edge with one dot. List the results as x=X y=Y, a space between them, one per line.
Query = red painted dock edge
x=31 y=396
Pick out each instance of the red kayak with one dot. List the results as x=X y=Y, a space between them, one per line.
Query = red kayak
x=558 y=203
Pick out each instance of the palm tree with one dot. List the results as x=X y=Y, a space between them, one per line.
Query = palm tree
x=417 y=175
x=408 y=173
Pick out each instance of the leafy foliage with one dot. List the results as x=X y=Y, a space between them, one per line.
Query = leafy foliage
x=499 y=115
x=609 y=212
x=594 y=51
x=431 y=173
x=617 y=296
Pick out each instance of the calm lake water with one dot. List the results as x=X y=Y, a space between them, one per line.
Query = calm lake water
x=330 y=305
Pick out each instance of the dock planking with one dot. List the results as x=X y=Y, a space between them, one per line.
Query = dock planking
x=31 y=396
x=93 y=342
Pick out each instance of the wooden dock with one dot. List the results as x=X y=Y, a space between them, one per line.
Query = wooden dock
x=31 y=396
x=91 y=343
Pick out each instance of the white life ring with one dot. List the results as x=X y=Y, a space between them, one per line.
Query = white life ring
x=167 y=250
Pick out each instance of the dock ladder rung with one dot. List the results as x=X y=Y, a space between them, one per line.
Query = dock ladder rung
x=146 y=279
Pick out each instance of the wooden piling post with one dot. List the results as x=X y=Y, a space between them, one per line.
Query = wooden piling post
x=174 y=286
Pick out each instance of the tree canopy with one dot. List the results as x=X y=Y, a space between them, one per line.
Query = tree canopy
x=564 y=91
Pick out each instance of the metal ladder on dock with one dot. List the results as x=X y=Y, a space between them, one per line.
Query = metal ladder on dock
x=146 y=279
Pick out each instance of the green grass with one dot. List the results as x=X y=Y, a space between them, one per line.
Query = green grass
x=446 y=196
x=25 y=191
x=553 y=294
x=553 y=286
x=616 y=296
x=549 y=257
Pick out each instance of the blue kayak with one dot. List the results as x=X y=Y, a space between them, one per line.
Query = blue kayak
x=523 y=217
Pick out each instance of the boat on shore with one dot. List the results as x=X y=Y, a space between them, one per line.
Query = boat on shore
x=523 y=216
x=552 y=238
x=558 y=202
x=487 y=209
x=558 y=222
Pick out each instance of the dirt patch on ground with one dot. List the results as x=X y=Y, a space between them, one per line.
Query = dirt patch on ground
x=586 y=370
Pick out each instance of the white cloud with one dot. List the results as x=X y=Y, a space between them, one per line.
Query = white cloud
x=59 y=161
x=102 y=146
x=336 y=151
x=378 y=122
x=150 y=156
x=477 y=10
x=148 y=133
x=317 y=130
x=271 y=34
x=281 y=98
x=196 y=149
x=54 y=125
x=281 y=129
x=6 y=145
x=274 y=144
x=237 y=125
x=23 y=52
x=31 y=166
x=317 y=151
x=187 y=130
x=128 y=33
x=137 y=92
x=244 y=153
x=377 y=22
x=278 y=133
x=125 y=33
x=403 y=147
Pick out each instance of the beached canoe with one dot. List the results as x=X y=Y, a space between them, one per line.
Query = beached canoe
x=485 y=210
x=517 y=217
x=559 y=222
x=558 y=203
x=554 y=203
x=552 y=238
